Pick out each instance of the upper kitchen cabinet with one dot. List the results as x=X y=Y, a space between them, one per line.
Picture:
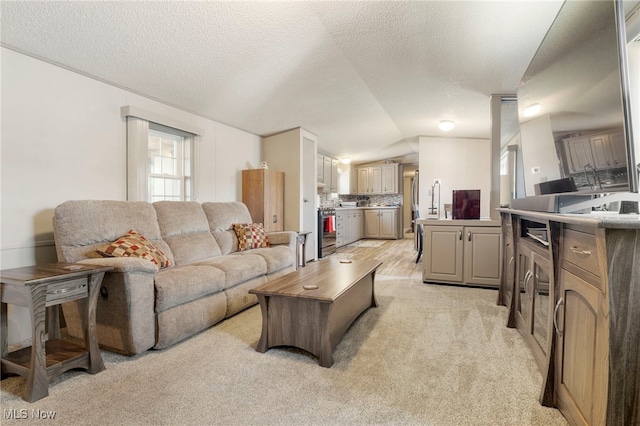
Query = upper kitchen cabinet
x=294 y=153
x=602 y=151
x=327 y=173
x=378 y=179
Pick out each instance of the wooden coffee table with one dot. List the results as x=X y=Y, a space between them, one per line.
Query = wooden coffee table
x=315 y=319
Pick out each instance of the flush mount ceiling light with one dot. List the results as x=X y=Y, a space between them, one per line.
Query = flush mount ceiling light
x=446 y=125
x=346 y=160
x=531 y=110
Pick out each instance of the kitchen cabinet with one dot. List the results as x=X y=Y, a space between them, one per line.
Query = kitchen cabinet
x=578 y=153
x=356 y=225
x=389 y=176
x=602 y=151
x=349 y=226
x=263 y=194
x=462 y=254
x=334 y=175
x=381 y=223
x=327 y=173
x=294 y=153
x=320 y=168
x=618 y=149
x=378 y=179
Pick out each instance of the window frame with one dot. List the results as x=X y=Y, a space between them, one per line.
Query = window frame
x=138 y=123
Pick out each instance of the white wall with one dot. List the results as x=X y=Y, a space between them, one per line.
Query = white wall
x=63 y=139
x=460 y=164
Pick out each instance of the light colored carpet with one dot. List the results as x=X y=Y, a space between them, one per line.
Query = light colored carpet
x=368 y=243
x=427 y=355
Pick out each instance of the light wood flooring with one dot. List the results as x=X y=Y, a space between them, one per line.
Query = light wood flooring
x=398 y=256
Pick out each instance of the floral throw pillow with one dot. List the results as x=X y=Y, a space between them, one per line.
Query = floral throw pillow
x=250 y=236
x=133 y=244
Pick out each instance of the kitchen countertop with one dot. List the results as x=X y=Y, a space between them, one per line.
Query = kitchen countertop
x=367 y=207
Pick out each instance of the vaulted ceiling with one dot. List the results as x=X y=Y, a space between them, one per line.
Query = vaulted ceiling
x=366 y=77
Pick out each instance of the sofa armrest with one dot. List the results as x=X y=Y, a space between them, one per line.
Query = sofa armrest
x=125 y=313
x=124 y=264
x=288 y=238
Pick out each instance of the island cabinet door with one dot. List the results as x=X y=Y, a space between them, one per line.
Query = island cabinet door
x=444 y=248
x=581 y=355
x=482 y=255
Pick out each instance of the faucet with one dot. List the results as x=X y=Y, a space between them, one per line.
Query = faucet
x=433 y=209
x=597 y=183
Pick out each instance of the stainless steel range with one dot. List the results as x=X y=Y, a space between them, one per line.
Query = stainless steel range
x=326 y=231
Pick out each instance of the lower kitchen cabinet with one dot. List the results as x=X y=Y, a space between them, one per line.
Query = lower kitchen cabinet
x=462 y=254
x=349 y=226
x=381 y=223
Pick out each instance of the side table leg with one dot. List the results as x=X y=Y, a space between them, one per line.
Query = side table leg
x=38 y=380
x=4 y=329
x=96 y=364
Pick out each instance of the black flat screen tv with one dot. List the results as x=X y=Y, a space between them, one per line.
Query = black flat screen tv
x=578 y=82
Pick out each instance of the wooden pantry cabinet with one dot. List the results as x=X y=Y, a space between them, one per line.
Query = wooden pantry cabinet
x=588 y=316
x=462 y=254
x=263 y=194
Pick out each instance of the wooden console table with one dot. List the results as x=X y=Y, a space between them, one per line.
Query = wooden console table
x=40 y=289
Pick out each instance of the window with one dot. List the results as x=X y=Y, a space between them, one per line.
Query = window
x=161 y=154
x=169 y=166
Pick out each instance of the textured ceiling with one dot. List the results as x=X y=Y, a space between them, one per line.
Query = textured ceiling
x=366 y=77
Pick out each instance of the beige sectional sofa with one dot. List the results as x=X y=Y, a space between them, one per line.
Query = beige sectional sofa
x=142 y=306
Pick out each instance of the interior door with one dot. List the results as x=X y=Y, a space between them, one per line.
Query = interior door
x=309 y=196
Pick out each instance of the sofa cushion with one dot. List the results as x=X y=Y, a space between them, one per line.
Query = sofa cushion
x=221 y=217
x=238 y=269
x=81 y=226
x=133 y=244
x=276 y=257
x=181 y=284
x=185 y=228
x=250 y=236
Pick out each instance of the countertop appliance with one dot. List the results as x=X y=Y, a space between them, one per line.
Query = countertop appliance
x=326 y=231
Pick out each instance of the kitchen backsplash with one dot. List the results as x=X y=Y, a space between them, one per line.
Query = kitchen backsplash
x=384 y=200
x=606 y=177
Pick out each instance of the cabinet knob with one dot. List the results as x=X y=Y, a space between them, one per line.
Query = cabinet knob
x=460 y=235
x=468 y=235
